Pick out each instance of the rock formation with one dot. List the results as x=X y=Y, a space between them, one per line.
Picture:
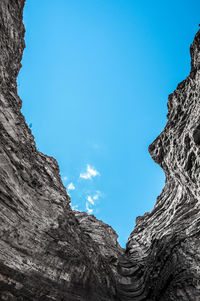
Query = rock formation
x=162 y=259
x=44 y=252
x=50 y=252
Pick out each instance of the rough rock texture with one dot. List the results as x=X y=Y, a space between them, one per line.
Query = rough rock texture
x=103 y=235
x=49 y=252
x=44 y=252
x=162 y=260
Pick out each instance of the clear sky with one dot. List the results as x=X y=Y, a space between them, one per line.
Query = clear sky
x=95 y=80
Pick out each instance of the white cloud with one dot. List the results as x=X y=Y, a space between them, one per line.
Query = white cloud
x=71 y=186
x=89 y=210
x=91 y=172
x=90 y=200
x=65 y=178
x=96 y=197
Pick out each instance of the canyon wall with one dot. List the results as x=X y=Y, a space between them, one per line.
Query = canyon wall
x=44 y=252
x=50 y=252
x=162 y=260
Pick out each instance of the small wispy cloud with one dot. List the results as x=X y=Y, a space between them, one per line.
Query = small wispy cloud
x=90 y=200
x=89 y=210
x=96 y=197
x=90 y=173
x=65 y=178
x=71 y=186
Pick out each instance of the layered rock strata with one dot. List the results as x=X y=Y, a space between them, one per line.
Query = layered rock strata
x=162 y=260
x=49 y=252
x=44 y=252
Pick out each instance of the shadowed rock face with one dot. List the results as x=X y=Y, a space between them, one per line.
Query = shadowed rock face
x=49 y=252
x=44 y=252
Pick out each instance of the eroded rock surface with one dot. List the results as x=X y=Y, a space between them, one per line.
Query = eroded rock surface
x=162 y=260
x=44 y=252
x=49 y=252
x=103 y=235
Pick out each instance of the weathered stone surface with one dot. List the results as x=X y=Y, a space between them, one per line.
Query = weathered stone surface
x=44 y=253
x=49 y=252
x=103 y=235
x=162 y=260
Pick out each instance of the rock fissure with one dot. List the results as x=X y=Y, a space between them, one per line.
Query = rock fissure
x=50 y=252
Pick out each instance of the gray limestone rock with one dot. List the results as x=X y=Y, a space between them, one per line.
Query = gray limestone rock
x=50 y=252
x=44 y=252
x=162 y=259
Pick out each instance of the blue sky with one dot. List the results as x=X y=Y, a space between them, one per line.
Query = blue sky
x=95 y=80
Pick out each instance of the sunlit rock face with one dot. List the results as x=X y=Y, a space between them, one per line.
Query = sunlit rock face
x=44 y=252
x=162 y=259
x=49 y=252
